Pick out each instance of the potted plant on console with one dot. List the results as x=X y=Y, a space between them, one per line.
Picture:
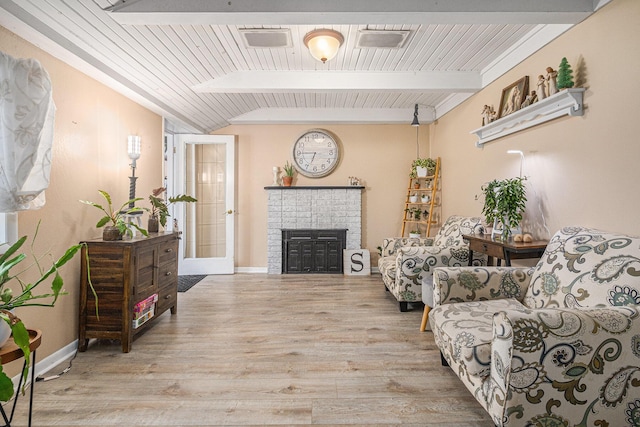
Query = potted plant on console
x=504 y=204
x=115 y=220
x=159 y=211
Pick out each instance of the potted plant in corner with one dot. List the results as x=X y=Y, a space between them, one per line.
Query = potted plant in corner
x=114 y=221
x=423 y=167
x=159 y=211
x=504 y=204
x=14 y=296
x=289 y=170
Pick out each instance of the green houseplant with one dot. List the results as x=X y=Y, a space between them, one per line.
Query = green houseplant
x=289 y=170
x=428 y=163
x=504 y=202
x=11 y=298
x=159 y=211
x=114 y=220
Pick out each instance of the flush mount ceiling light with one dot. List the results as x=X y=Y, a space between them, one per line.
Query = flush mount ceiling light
x=323 y=44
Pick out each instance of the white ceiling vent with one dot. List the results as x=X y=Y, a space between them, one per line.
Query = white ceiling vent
x=382 y=39
x=266 y=38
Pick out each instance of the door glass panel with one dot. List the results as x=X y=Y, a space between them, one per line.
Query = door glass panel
x=206 y=219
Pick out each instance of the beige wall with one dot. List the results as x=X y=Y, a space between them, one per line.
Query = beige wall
x=380 y=155
x=89 y=153
x=582 y=170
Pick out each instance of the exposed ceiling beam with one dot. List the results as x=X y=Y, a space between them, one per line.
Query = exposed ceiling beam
x=334 y=115
x=287 y=12
x=342 y=81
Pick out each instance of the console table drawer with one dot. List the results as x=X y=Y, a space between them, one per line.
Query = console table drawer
x=488 y=248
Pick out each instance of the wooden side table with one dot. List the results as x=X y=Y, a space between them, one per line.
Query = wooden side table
x=10 y=352
x=503 y=249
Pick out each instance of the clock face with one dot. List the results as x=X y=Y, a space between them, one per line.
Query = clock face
x=316 y=153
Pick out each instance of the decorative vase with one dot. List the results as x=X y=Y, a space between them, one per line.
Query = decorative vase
x=111 y=233
x=287 y=180
x=421 y=171
x=153 y=225
x=413 y=199
x=425 y=199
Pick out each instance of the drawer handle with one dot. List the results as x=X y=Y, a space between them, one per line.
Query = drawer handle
x=169 y=250
x=167 y=296
x=484 y=247
x=168 y=273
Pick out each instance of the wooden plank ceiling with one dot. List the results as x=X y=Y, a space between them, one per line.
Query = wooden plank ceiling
x=187 y=60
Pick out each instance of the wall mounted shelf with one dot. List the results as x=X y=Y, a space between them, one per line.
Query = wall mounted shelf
x=566 y=102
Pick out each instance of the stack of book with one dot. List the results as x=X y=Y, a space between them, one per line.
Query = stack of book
x=144 y=310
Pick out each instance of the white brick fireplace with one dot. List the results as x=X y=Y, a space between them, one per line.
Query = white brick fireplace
x=311 y=208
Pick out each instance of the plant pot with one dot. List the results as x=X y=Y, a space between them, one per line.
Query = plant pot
x=5 y=332
x=431 y=171
x=414 y=235
x=413 y=199
x=153 y=225
x=287 y=180
x=416 y=185
x=111 y=233
x=421 y=171
x=425 y=199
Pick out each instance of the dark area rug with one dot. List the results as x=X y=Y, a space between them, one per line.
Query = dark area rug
x=186 y=282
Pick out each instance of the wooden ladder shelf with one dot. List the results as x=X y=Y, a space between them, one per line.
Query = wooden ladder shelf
x=429 y=186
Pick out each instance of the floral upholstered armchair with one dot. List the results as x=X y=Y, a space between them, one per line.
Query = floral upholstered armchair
x=405 y=262
x=555 y=344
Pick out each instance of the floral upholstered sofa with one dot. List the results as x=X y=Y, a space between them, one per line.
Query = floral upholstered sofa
x=404 y=261
x=557 y=344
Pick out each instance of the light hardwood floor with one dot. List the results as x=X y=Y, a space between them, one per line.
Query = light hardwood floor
x=257 y=349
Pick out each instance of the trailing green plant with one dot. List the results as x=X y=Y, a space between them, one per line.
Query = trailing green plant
x=160 y=209
x=505 y=201
x=117 y=217
x=289 y=170
x=11 y=298
x=428 y=163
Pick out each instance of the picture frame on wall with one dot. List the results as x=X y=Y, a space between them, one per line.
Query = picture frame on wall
x=513 y=96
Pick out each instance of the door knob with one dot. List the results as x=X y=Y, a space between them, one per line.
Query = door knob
x=230 y=211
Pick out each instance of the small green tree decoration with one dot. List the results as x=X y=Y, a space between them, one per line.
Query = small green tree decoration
x=565 y=75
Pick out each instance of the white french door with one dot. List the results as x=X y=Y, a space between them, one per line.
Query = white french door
x=202 y=166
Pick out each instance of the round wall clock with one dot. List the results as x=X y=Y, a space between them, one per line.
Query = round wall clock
x=316 y=153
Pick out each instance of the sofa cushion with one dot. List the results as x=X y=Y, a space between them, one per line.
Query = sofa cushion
x=465 y=330
x=387 y=267
x=391 y=245
x=582 y=267
x=450 y=234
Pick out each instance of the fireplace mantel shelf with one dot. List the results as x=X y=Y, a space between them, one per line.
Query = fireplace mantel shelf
x=316 y=187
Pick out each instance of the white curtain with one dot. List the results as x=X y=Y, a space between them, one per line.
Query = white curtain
x=26 y=133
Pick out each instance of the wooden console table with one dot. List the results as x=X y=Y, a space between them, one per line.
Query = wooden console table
x=503 y=249
x=125 y=274
x=10 y=352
